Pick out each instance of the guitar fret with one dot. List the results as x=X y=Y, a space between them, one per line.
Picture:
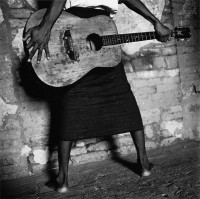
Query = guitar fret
x=126 y=38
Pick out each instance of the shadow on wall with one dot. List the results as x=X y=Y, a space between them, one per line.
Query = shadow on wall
x=39 y=91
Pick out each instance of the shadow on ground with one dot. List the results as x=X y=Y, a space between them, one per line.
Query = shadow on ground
x=175 y=175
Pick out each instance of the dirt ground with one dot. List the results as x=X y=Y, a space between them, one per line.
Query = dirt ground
x=176 y=174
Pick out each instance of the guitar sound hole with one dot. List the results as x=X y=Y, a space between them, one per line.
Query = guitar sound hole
x=94 y=42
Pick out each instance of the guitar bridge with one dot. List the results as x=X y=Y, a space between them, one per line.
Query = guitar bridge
x=68 y=46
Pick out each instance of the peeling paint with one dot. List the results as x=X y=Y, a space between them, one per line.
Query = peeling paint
x=25 y=150
x=18 y=44
x=173 y=127
x=6 y=109
x=41 y=156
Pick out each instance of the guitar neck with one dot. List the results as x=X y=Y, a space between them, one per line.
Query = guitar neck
x=108 y=40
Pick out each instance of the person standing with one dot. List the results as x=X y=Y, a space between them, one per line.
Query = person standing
x=101 y=103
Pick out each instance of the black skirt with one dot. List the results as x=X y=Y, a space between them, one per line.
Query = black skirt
x=99 y=104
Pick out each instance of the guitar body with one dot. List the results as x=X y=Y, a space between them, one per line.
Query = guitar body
x=71 y=52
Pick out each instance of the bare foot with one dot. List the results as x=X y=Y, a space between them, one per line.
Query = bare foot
x=57 y=186
x=145 y=167
x=62 y=189
x=145 y=173
x=62 y=185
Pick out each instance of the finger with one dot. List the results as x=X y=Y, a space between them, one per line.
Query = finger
x=32 y=53
x=30 y=44
x=27 y=35
x=46 y=48
x=39 y=55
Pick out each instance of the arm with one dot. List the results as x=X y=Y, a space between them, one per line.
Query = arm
x=136 y=5
x=40 y=34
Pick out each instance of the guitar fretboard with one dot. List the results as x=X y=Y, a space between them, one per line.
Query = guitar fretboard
x=126 y=38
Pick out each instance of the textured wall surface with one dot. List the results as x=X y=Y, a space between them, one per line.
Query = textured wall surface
x=163 y=77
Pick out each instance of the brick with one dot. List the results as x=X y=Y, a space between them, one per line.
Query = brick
x=167 y=62
x=100 y=146
x=145 y=90
x=125 y=150
x=159 y=100
x=151 y=116
x=89 y=157
x=78 y=151
x=81 y=143
x=141 y=64
x=171 y=80
x=167 y=99
x=121 y=135
x=172 y=116
x=145 y=102
x=138 y=83
x=147 y=74
x=171 y=113
x=168 y=51
x=167 y=87
x=124 y=141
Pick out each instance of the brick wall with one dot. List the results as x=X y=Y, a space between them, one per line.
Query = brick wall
x=163 y=77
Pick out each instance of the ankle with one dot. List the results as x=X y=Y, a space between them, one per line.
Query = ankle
x=143 y=162
x=62 y=180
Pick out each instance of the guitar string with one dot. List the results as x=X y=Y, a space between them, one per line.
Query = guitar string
x=126 y=38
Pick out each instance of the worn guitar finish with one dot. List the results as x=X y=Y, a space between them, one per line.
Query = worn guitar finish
x=71 y=54
x=77 y=45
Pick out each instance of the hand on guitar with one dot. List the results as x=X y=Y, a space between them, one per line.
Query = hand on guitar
x=164 y=33
x=39 y=38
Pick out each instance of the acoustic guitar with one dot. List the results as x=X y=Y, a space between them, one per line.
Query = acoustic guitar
x=77 y=45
